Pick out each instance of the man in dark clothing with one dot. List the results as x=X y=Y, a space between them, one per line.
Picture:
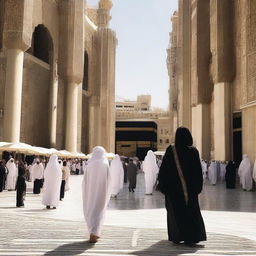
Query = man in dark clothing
x=20 y=186
x=132 y=175
x=230 y=175
x=2 y=175
x=180 y=180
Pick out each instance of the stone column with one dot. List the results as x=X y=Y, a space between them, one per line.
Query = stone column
x=183 y=58
x=222 y=72
x=200 y=80
x=13 y=95
x=201 y=129
x=71 y=116
x=53 y=107
x=17 y=39
x=222 y=121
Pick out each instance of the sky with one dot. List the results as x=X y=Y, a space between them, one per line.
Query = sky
x=142 y=28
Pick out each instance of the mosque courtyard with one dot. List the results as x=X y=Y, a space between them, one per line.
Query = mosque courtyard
x=135 y=224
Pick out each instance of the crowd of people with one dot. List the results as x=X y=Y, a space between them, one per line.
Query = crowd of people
x=179 y=176
x=220 y=171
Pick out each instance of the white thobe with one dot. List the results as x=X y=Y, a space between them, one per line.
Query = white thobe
x=96 y=188
x=204 y=169
x=117 y=175
x=12 y=175
x=52 y=182
x=212 y=173
x=254 y=171
x=150 y=169
x=222 y=171
x=245 y=174
x=37 y=171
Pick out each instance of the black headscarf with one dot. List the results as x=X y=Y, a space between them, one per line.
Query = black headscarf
x=183 y=137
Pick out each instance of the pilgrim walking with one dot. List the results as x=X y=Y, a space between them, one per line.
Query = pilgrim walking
x=12 y=175
x=65 y=177
x=20 y=186
x=2 y=175
x=96 y=188
x=180 y=180
x=37 y=176
x=245 y=174
x=132 y=175
x=230 y=175
x=52 y=183
x=117 y=175
x=150 y=168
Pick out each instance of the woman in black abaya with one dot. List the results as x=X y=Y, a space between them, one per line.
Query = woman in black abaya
x=180 y=180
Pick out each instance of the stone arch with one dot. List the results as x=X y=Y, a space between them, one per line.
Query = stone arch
x=37 y=80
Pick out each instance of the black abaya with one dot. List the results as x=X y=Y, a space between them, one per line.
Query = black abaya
x=230 y=175
x=21 y=191
x=184 y=221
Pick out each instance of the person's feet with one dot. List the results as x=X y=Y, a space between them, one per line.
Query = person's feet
x=93 y=239
x=48 y=207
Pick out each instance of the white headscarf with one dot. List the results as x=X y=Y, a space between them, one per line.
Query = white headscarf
x=96 y=190
x=245 y=173
x=117 y=175
x=98 y=153
x=52 y=182
x=150 y=168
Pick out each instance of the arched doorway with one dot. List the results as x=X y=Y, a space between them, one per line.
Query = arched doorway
x=37 y=78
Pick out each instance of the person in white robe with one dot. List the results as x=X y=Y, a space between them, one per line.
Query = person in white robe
x=245 y=173
x=37 y=176
x=117 y=175
x=150 y=168
x=12 y=175
x=212 y=173
x=96 y=188
x=222 y=171
x=52 y=183
x=254 y=171
x=204 y=169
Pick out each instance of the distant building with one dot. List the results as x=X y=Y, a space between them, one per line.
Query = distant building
x=134 y=121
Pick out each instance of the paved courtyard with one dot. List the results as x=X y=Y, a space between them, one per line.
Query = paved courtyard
x=135 y=225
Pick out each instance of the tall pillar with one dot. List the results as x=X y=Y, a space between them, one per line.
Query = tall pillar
x=222 y=72
x=17 y=39
x=71 y=117
x=200 y=80
x=201 y=129
x=222 y=121
x=106 y=47
x=13 y=95
x=184 y=55
x=53 y=107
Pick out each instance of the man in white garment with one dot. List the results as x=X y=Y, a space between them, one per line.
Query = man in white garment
x=96 y=189
x=245 y=173
x=12 y=175
x=37 y=176
x=254 y=171
x=52 y=183
x=223 y=166
x=117 y=176
x=204 y=169
x=212 y=173
x=150 y=169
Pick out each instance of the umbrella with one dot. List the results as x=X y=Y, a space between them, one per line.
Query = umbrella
x=19 y=148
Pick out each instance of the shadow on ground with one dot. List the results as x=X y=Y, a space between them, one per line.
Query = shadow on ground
x=71 y=249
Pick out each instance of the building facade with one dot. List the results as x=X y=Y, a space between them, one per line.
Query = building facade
x=57 y=74
x=213 y=89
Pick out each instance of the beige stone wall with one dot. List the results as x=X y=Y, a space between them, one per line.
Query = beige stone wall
x=249 y=132
x=35 y=102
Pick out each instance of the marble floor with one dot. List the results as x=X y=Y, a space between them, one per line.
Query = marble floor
x=135 y=224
